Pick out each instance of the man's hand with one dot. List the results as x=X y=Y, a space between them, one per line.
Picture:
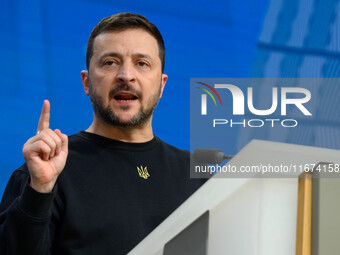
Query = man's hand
x=45 y=153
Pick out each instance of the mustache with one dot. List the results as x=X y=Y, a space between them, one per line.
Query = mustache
x=125 y=87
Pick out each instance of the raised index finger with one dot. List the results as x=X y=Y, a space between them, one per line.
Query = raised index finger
x=44 y=121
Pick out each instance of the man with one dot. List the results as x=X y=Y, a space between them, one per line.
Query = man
x=100 y=191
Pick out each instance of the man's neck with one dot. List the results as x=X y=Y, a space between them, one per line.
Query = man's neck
x=124 y=134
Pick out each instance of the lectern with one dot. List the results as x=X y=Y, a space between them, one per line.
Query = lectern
x=242 y=213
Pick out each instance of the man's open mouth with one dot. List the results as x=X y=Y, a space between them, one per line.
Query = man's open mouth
x=125 y=96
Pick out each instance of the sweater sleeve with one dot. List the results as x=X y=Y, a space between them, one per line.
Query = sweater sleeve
x=25 y=217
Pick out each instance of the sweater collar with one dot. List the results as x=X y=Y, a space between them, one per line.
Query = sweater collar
x=119 y=144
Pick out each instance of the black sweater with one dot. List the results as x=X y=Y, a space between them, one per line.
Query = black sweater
x=102 y=203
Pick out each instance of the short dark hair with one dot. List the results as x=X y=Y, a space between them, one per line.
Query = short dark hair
x=121 y=22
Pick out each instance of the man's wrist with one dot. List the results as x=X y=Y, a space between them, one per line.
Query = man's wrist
x=36 y=204
x=45 y=188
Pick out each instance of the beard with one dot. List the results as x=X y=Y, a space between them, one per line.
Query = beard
x=110 y=117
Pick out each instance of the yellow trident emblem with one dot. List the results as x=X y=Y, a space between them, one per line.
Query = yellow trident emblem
x=143 y=172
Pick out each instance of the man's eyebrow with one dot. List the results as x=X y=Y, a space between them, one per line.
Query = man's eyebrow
x=141 y=55
x=109 y=54
x=136 y=55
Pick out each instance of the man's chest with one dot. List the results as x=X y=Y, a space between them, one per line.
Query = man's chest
x=115 y=203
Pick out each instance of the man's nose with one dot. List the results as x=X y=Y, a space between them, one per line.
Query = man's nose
x=126 y=73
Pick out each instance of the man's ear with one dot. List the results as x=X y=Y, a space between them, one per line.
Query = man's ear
x=85 y=80
x=163 y=81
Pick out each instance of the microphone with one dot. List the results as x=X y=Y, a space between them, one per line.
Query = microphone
x=210 y=156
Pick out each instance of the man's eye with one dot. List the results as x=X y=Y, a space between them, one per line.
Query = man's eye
x=109 y=63
x=142 y=63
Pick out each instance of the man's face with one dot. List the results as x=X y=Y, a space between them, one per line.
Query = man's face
x=125 y=80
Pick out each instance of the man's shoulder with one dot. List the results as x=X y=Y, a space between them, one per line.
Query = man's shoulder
x=76 y=138
x=80 y=147
x=80 y=141
x=174 y=151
